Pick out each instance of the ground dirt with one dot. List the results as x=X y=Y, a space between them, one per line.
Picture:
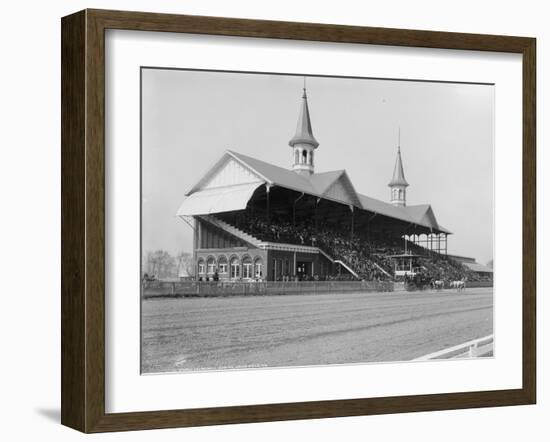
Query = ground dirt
x=297 y=330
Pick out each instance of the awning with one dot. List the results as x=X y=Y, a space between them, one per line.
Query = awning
x=222 y=199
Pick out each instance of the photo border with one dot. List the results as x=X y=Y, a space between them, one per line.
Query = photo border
x=83 y=220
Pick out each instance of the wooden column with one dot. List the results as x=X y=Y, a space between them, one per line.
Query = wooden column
x=315 y=215
x=352 y=221
x=267 y=189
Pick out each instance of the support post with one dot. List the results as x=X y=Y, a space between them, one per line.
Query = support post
x=352 y=221
x=267 y=189
x=315 y=215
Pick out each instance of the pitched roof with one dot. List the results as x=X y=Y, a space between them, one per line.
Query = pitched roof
x=319 y=184
x=421 y=215
x=316 y=184
x=322 y=181
x=275 y=174
x=376 y=206
x=304 y=133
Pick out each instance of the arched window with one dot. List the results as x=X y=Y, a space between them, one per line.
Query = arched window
x=201 y=266
x=247 y=267
x=222 y=265
x=400 y=193
x=211 y=265
x=304 y=156
x=296 y=156
x=235 y=268
x=311 y=158
x=258 y=271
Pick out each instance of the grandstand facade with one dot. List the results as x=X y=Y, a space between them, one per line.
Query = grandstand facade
x=253 y=220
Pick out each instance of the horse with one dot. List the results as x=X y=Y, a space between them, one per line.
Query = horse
x=458 y=285
x=438 y=284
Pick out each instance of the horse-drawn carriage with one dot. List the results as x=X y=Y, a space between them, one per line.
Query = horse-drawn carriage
x=424 y=281
x=418 y=281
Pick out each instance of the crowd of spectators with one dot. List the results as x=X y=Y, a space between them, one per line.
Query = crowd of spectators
x=440 y=267
x=369 y=257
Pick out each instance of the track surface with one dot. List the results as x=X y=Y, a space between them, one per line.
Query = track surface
x=294 y=330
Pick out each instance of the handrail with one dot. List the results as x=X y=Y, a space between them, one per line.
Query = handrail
x=247 y=237
x=382 y=270
x=339 y=261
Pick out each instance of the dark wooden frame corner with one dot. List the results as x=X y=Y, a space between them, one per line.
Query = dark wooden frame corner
x=83 y=217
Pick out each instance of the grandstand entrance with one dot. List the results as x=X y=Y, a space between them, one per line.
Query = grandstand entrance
x=303 y=269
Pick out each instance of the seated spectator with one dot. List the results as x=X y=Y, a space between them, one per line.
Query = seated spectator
x=368 y=257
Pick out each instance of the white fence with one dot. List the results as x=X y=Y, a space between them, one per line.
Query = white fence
x=472 y=349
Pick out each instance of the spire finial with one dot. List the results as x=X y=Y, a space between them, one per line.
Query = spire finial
x=399 y=140
x=304 y=88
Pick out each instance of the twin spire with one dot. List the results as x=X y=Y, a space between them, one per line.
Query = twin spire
x=303 y=145
x=304 y=133
x=398 y=178
x=398 y=184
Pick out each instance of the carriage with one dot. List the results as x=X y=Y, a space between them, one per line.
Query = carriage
x=418 y=281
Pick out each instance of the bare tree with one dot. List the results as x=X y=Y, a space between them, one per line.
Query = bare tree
x=184 y=263
x=160 y=264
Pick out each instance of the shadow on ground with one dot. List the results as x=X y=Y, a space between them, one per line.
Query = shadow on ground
x=51 y=414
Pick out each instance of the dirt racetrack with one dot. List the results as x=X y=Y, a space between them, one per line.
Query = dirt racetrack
x=295 y=330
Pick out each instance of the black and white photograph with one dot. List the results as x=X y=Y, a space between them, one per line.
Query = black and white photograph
x=295 y=220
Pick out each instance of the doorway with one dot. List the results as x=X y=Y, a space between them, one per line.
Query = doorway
x=303 y=269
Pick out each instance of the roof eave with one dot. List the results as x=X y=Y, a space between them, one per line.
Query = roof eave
x=304 y=140
x=398 y=183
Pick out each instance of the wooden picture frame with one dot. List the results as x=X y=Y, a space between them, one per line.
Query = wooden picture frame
x=83 y=220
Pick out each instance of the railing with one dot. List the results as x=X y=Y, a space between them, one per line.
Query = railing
x=348 y=268
x=159 y=289
x=476 y=348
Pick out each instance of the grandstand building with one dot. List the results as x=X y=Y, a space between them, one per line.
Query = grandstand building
x=255 y=220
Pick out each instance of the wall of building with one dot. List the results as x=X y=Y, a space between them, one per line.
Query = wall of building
x=282 y=264
x=210 y=261
x=215 y=251
x=218 y=254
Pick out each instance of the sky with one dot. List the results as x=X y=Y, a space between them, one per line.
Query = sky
x=189 y=119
